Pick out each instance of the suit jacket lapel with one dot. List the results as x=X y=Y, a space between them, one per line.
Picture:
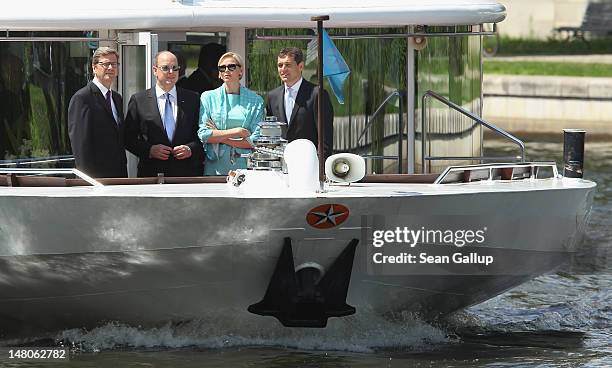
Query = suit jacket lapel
x=298 y=100
x=101 y=99
x=180 y=113
x=118 y=105
x=154 y=107
x=281 y=104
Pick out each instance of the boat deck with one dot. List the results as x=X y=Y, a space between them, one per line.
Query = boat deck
x=224 y=190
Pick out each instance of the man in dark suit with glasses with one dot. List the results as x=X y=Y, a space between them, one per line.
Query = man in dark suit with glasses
x=95 y=121
x=161 y=125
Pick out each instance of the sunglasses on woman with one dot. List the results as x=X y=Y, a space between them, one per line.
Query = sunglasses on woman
x=230 y=67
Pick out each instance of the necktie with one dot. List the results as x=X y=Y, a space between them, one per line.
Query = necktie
x=108 y=101
x=289 y=104
x=109 y=105
x=169 y=122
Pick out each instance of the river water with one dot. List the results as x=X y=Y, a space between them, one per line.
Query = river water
x=562 y=319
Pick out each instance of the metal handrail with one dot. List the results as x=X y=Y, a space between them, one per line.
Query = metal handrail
x=36 y=160
x=30 y=171
x=378 y=157
x=532 y=166
x=479 y=158
x=462 y=111
x=371 y=119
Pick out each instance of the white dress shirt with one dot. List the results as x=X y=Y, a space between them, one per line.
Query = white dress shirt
x=103 y=89
x=290 y=100
x=161 y=101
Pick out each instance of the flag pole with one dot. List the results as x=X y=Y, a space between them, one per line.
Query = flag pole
x=320 y=130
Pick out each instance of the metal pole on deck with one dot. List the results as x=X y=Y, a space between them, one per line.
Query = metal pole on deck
x=573 y=153
x=321 y=132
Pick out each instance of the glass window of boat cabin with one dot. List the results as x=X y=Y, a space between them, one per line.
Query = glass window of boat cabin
x=39 y=77
x=451 y=67
x=188 y=51
x=371 y=80
x=37 y=80
x=448 y=65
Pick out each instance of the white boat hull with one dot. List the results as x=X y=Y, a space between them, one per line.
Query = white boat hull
x=168 y=254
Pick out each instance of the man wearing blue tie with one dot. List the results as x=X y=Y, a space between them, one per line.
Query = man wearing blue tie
x=295 y=102
x=161 y=125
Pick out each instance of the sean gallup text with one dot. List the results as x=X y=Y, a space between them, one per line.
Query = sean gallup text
x=424 y=258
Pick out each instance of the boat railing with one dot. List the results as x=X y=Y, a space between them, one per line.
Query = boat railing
x=12 y=179
x=371 y=119
x=472 y=116
x=500 y=171
x=453 y=174
x=20 y=162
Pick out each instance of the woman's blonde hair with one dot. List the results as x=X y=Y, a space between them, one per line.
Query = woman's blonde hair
x=234 y=55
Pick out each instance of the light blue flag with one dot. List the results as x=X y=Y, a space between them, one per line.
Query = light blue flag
x=334 y=67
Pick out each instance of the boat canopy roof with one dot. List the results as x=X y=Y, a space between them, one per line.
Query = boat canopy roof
x=76 y=15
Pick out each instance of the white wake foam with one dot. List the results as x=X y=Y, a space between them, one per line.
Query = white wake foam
x=364 y=333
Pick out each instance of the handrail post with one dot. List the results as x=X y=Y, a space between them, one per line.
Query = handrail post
x=423 y=133
x=400 y=134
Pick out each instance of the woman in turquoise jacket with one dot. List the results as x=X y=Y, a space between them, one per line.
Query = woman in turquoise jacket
x=229 y=117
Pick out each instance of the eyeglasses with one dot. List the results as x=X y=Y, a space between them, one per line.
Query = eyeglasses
x=167 y=68
x=230 y=67
x=107 y=64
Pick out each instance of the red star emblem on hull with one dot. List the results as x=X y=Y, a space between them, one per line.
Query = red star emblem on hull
x=327 y=216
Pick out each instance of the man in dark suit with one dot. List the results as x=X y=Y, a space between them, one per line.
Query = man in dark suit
x=95 y=121
x=161 y=125
x=295 y=102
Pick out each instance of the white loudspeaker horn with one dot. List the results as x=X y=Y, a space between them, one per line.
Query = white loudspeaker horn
x=345 y=168
x=418 y=42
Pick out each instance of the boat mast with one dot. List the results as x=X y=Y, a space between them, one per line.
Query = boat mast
x=321 y=134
